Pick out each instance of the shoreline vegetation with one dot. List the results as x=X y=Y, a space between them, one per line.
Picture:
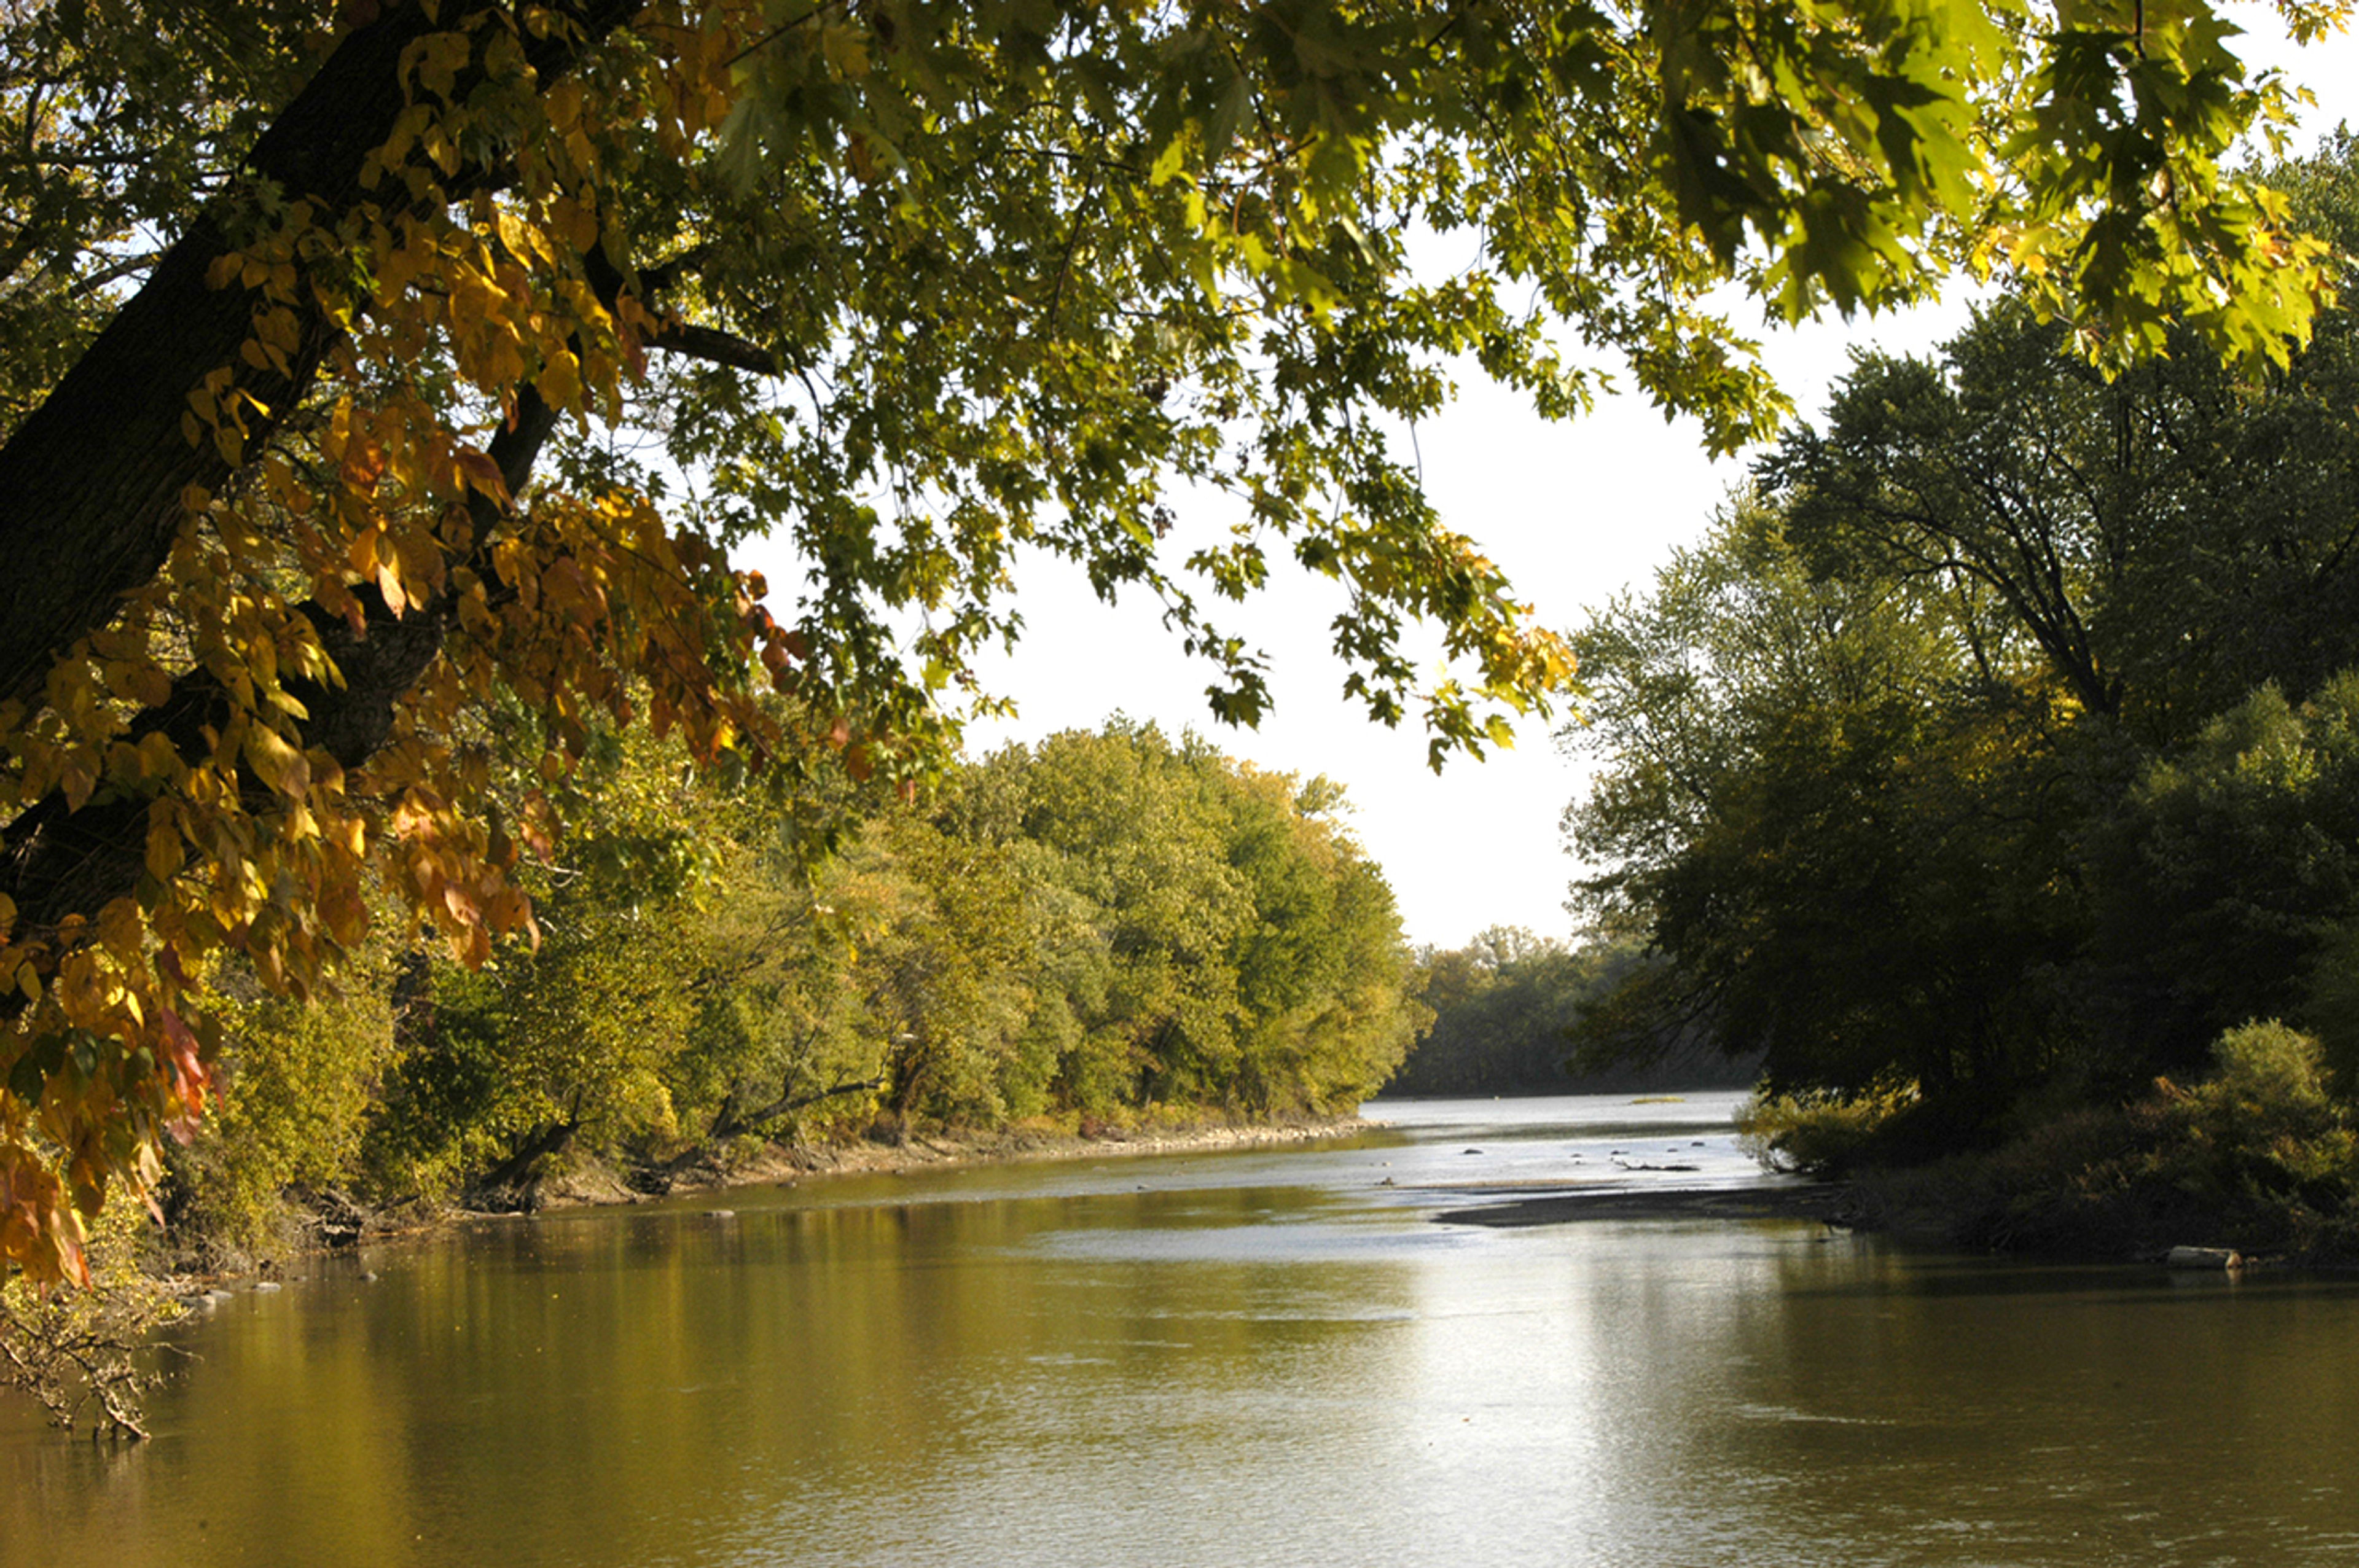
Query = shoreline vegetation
x=784 y=1164
x=2258 y=1157
x=1103 y=935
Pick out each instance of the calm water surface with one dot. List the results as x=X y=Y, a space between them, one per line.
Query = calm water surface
x=1228 y=1359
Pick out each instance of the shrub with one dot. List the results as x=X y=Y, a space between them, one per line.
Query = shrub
x=2258 y=1156
x=1820 y=1131
x=78 y=1353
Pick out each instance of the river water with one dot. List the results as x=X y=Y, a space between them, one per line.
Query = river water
x=1278 y=1357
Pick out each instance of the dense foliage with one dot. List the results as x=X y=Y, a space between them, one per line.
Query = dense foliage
x=2259 y=1154
x=361 y=375
x=1995 y=755
x=1103 y=929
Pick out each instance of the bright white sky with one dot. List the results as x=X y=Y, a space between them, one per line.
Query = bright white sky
x=1574 y=513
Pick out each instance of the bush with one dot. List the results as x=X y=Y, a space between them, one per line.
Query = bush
x=2258 y=1156
x=1820 y=1131
x=2263 y=1125
x=299 y=1084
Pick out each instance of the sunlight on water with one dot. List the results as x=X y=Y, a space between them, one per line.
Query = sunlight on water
x=1258 y=1357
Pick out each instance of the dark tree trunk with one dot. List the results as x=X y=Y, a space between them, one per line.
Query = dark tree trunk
x=91 y=483
x=55 y=862
x=732 y=1122
x=511 y=1184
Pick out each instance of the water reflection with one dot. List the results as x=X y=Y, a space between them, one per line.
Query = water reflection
x=1257 y=1358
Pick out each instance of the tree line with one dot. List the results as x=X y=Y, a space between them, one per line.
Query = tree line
x=1506 y=1010
x=1997 y=752
x=1098 y=930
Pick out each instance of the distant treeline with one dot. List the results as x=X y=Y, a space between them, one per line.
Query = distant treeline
x=1503 y=1010
x=1104 y=928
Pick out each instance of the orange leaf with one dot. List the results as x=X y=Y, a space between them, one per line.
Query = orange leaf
x=483 y=474
x=363 y=464
x=189 y=1073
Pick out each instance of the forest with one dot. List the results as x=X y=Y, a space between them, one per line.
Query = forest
x=1990 y=772
x=1507 y=1007
x=1087 y=934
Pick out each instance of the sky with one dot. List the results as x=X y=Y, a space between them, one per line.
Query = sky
x=1575 y=513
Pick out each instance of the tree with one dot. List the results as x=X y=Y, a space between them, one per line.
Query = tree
x=1509 y=1014
x=1842 y=835
x=1206 y=934
x=1501 y=1006
x=928 y=283
x=2229 y=883
x=2168 y=539
x=1996 y=746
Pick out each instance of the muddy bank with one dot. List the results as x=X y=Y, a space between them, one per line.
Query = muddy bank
x=1831 y=1202
x=779 y=1162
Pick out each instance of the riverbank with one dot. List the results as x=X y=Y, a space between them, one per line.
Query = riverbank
x=775 y=1164
x=326 y=1222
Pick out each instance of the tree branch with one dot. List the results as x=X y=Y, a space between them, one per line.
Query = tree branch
x=91 y=483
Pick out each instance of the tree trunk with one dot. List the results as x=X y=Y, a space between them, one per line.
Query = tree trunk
x=91 y=483
x=731 y=1122
x=55 y=862
x=510 y=1184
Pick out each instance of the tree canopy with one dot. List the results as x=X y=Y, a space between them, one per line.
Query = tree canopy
x=1105 y=930
x=1997 y=743
x=363 y=373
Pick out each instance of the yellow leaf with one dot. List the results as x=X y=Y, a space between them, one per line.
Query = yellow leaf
x=119 y=928
x=560 y=379
x=147 y=685
x=164 y=851
x=79 y=776
x=483 y=473
x=275 y=763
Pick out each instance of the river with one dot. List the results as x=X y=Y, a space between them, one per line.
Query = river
x=1249 y=1358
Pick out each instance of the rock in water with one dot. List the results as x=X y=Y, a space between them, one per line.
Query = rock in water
x=2204 y=1258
